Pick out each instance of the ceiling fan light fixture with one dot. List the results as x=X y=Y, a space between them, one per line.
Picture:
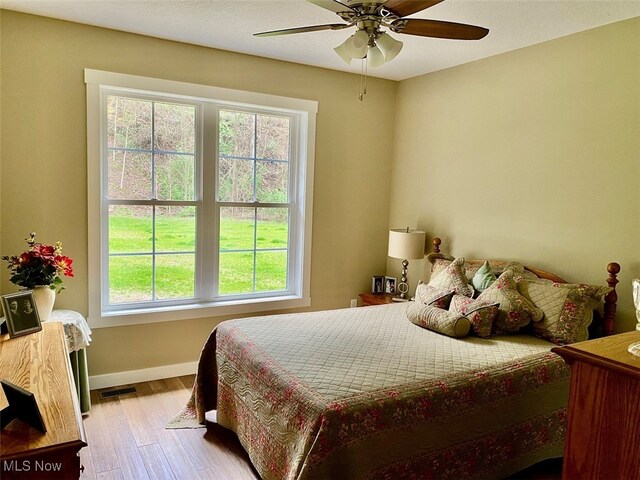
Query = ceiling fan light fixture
x=341 y=50
x=359 y=39
x=375 y=57
x=356 y=44
x=370 y=18
x=389 y=46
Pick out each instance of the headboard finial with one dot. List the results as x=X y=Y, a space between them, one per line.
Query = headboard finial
x=436 y=245
x=611 y=299
x=614 y=269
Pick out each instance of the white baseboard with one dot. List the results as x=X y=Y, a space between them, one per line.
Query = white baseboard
x=143 y=375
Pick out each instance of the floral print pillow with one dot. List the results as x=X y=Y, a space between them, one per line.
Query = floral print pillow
x=480 y=314
x=439 y=264
x=438 y=320
x=567 y=308
x=436 y=297
x=453 y=277
x=515 y=311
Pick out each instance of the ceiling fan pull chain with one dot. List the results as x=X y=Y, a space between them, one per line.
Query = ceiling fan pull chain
x=363 y=79
x=361 y=94
x=366 y=72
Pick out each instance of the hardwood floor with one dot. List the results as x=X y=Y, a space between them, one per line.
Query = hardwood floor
x=128 y=440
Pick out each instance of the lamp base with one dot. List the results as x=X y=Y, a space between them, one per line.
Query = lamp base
x=400 y=299
x=634 y=349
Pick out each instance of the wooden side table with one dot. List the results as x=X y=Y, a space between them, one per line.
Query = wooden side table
x=39 y=363
x=603 y=432
x=375 y=298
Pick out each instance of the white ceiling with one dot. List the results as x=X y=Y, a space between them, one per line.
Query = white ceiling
x=229 y=25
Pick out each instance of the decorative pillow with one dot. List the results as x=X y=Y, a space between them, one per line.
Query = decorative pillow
x=496 y=266
x=480 y=314
x=438 y=320
x=453 y=278
x=483 y=278
x=439 y=265
x=567 y=308
x=521 y=274
x=442 y=263
x=436 y=297
x=515 y=311
x=471 y=268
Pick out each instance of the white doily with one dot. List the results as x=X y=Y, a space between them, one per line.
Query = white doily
x=76 y=328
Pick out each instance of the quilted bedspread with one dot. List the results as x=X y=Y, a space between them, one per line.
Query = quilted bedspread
x=364 y=393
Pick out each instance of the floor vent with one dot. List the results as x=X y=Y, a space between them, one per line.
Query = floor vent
x=119 y=391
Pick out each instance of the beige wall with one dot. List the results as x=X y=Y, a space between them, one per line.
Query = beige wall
x=530 y=155
x=44 y=170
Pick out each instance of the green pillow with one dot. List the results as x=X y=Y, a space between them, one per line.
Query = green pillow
x=483 y=278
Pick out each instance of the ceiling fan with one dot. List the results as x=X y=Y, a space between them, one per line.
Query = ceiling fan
x=368 y=16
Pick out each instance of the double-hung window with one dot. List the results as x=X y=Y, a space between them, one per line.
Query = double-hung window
x=199 y=200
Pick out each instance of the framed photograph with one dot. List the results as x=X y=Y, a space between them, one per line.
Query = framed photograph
x=22 y=405
x=21 y=313
x=390 y=285
x=377 y=284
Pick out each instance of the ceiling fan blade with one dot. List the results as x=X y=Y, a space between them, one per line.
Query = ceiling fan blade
x=312 y=28
x=402 y=8
x=438 y=29
x=332 y=5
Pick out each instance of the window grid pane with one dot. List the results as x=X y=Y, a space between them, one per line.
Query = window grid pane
x=253 y=171
x=152 y=247
x=255 y=237
x=130 y=278
x=151 y=161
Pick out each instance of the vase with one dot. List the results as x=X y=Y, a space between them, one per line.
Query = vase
x=45 y=297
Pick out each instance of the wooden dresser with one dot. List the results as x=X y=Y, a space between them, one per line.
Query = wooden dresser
x=40 y=363
x=603 y=432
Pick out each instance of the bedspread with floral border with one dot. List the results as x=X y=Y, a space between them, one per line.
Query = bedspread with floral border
x=488 y=422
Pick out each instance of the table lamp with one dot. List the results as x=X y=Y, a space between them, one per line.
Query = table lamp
x=634 y=348
x=408 y=245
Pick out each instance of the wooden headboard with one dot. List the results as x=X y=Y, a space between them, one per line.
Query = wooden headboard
x=604 y=323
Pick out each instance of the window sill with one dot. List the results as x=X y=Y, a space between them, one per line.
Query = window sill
x=197 y=310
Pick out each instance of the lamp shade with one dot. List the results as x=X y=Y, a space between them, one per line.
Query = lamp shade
x=375 y=58
x=406 y=244
x=356 y=44
x=389 y=46
x=341 y=50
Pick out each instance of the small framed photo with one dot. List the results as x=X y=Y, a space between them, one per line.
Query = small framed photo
x=21 y=313
x=390 y=285
x=22 y=405
x=377 y=284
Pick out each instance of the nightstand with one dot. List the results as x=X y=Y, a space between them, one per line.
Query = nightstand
x=375 y=298
x=603 y=429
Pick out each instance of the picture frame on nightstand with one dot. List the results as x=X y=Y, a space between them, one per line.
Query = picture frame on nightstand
x=377 y=284
x=390 y=285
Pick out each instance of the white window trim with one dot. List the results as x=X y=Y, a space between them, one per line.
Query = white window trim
x=96 y=80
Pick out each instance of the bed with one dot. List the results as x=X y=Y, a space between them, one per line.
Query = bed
x=365 y=393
